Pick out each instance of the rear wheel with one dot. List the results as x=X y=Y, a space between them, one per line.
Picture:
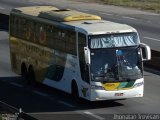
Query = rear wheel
x=24 y=72
x=31 y=76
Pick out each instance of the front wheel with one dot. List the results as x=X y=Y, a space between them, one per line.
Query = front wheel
x=75 y=93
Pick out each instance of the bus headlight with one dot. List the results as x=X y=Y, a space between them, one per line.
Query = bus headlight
x=95 y=87
x=138 y=84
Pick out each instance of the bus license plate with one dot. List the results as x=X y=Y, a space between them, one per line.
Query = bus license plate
x=119 y=94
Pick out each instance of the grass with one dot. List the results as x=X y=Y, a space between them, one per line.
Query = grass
x=150 y=5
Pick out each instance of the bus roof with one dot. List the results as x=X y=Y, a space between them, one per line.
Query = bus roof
x=34 y=10
x=67 y=15
x=55 y=14
x=83 y=22
x=100 y=27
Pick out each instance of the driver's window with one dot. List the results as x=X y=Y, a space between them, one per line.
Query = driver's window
x=84 y=69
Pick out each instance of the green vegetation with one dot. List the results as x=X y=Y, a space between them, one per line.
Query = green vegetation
x=151 y=5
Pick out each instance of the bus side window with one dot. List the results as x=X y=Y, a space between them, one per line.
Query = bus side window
x=62 y=40
x=59 y=39
x=12 y=25
x=16 y=26
x=71 y=42
x=32 y=36
x=49 y=36
x=36 y=37
x=23 y=28
x=40 y=35
x=29 y=30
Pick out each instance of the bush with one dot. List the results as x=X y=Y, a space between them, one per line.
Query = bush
x=152 y=5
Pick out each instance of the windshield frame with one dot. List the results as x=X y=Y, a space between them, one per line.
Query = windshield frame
x=139 y=56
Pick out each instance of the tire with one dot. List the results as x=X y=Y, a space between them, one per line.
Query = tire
x=75 y=93
x=24 y=73
x=31 y=76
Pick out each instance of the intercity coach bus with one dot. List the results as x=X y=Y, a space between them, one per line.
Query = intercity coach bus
x=77 y=52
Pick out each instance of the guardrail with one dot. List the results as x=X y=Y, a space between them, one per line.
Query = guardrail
x=153 y=63
x=18 y=114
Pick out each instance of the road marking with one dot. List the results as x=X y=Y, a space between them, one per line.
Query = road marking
x=16 y=84
x=151 y=39
x=153 y=14
x=129 y=18
x=86 y=10
x=40 y=93
x=79 y=9
x=82 y=10
x=41 y=113
x=36 y=2
x=106 y=13
x=66 y=104
x=93 y=115
x=8 y=106
x=1 y=8
x=151 y=70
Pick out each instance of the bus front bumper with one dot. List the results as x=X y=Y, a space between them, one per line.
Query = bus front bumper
x=98 y=95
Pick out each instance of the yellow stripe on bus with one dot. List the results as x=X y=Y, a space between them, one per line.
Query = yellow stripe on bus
x=110 y=86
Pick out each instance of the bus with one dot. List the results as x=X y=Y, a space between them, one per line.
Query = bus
x=78 y=53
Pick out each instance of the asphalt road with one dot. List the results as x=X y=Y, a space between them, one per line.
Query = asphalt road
x=147 y=23
x=46 y=103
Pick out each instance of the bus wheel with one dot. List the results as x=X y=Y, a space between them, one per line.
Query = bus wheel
x=75 y=93
x=31 y=76
x=24 y=72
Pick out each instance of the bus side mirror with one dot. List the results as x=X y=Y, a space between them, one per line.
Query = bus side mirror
x=146 y=52
x=87 y=55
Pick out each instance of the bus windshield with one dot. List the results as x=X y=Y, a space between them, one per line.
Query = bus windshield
x=113 y=40
x=116 y=64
